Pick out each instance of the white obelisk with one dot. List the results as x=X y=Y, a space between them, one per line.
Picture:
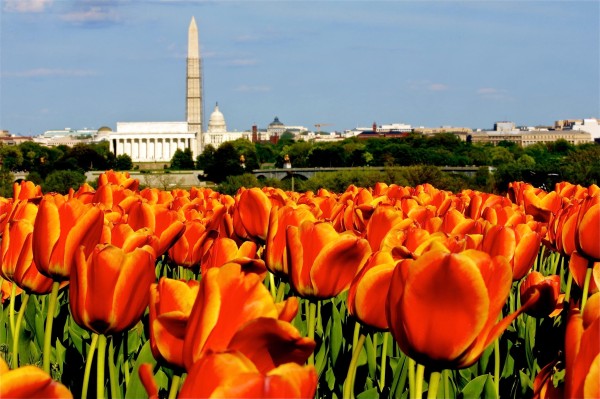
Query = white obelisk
x=194 y=87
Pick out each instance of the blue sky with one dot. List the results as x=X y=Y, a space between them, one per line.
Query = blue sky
x=67 y=63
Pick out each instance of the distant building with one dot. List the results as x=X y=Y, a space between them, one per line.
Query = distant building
x=67 y=136
x=528 y=138
x=217 y=134
x=590 y=125
x=9 y=139
x=504 y=127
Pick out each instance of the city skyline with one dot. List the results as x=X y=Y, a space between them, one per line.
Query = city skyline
x=96 y=63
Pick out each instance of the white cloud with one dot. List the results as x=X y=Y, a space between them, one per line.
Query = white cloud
x=491 y=93
x=248 y=88
x=91 y=15
x=48 y=72
x=437 y=87
x=26 y=5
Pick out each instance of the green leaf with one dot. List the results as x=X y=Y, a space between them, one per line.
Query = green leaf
x=321 y=359
x=336 y=337
x=60 y=355
x=135 y=389
x=399 y=365
x=369 y=393
x=330 y=378
x=162 y=380
x=475 y=388
x=371 y=357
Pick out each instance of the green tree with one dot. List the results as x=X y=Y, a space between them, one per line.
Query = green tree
x=60 y=181
x=6 y=183
x=12 y=157
x=182 y=160
x=226 y=163
x=123 y=162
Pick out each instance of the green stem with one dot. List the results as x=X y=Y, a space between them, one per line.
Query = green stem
x=112 y=370
x=586 y=286
x=88 y=365
x=434 y=381
x=100 y=368
x=568 y=288
x=411 y=376
x=15 y=362
x=383 y=361
x=349 y=384
x=312 y=311
x=126 y=357
x=11 y=311
x=419 y=381
x=49 y=321
x=497 y=366
x=356 y=334
x=174 y=386
x=446 y=374
x=280 y=292
x=272 y=285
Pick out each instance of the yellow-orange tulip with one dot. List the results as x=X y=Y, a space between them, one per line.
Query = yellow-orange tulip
x=26 y=190
x=228 y=299
x=60 y=229
x=275 y=249
x=519 y=245
x=232 y=375
x=171 y=302
x=29 y=382
x=368 y=291
x=122 y=282
x=119 y=179
x=16 y=259
x=587 y=236
x=461 y=296
x=166 y=224
x=322 y=262
x=251 y=214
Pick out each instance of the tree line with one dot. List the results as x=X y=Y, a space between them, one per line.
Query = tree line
x=417 y=156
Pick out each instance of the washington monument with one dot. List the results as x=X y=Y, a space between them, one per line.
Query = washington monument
x=193 y=107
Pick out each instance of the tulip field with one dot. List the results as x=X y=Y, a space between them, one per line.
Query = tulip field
x=376 y=292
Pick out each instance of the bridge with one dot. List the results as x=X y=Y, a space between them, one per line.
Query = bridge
x=307 y=173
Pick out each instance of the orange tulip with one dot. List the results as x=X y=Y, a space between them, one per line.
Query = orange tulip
x=147 y=379
x=29 y=382
x=171 y=302
x=323 y=262
x=118 y=178
x=461 y=296
x=578 y=266
x=563 y=227
x=368 y=291
x=221 y=251
x=121 y=279
x=228 y=300
x=232 y=375
x=519 y=245
x=582 y=351
x=382 y=221
x=541 y=205
x=275 y=249
x=543 y=385
x=587 y=235
x=60 y=228
x=26 y=190
x=251 y=214
x=186 y=250
x=549 y=292
x=16 y=258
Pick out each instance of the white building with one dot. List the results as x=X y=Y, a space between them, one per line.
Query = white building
x=149 y=141
x=588 y=125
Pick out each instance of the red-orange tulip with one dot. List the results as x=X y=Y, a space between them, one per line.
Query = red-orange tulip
x=323 y=262
x=221 y=251
x=519 y=245
x=582 y=351
x=548 y=289
x=232 y=375
x=368 y=291
x=382 y=221
x=122 y=282
x=60 y=229
x=29 y=382
x=171 y=302
x=460 y=295
x=578 y=266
